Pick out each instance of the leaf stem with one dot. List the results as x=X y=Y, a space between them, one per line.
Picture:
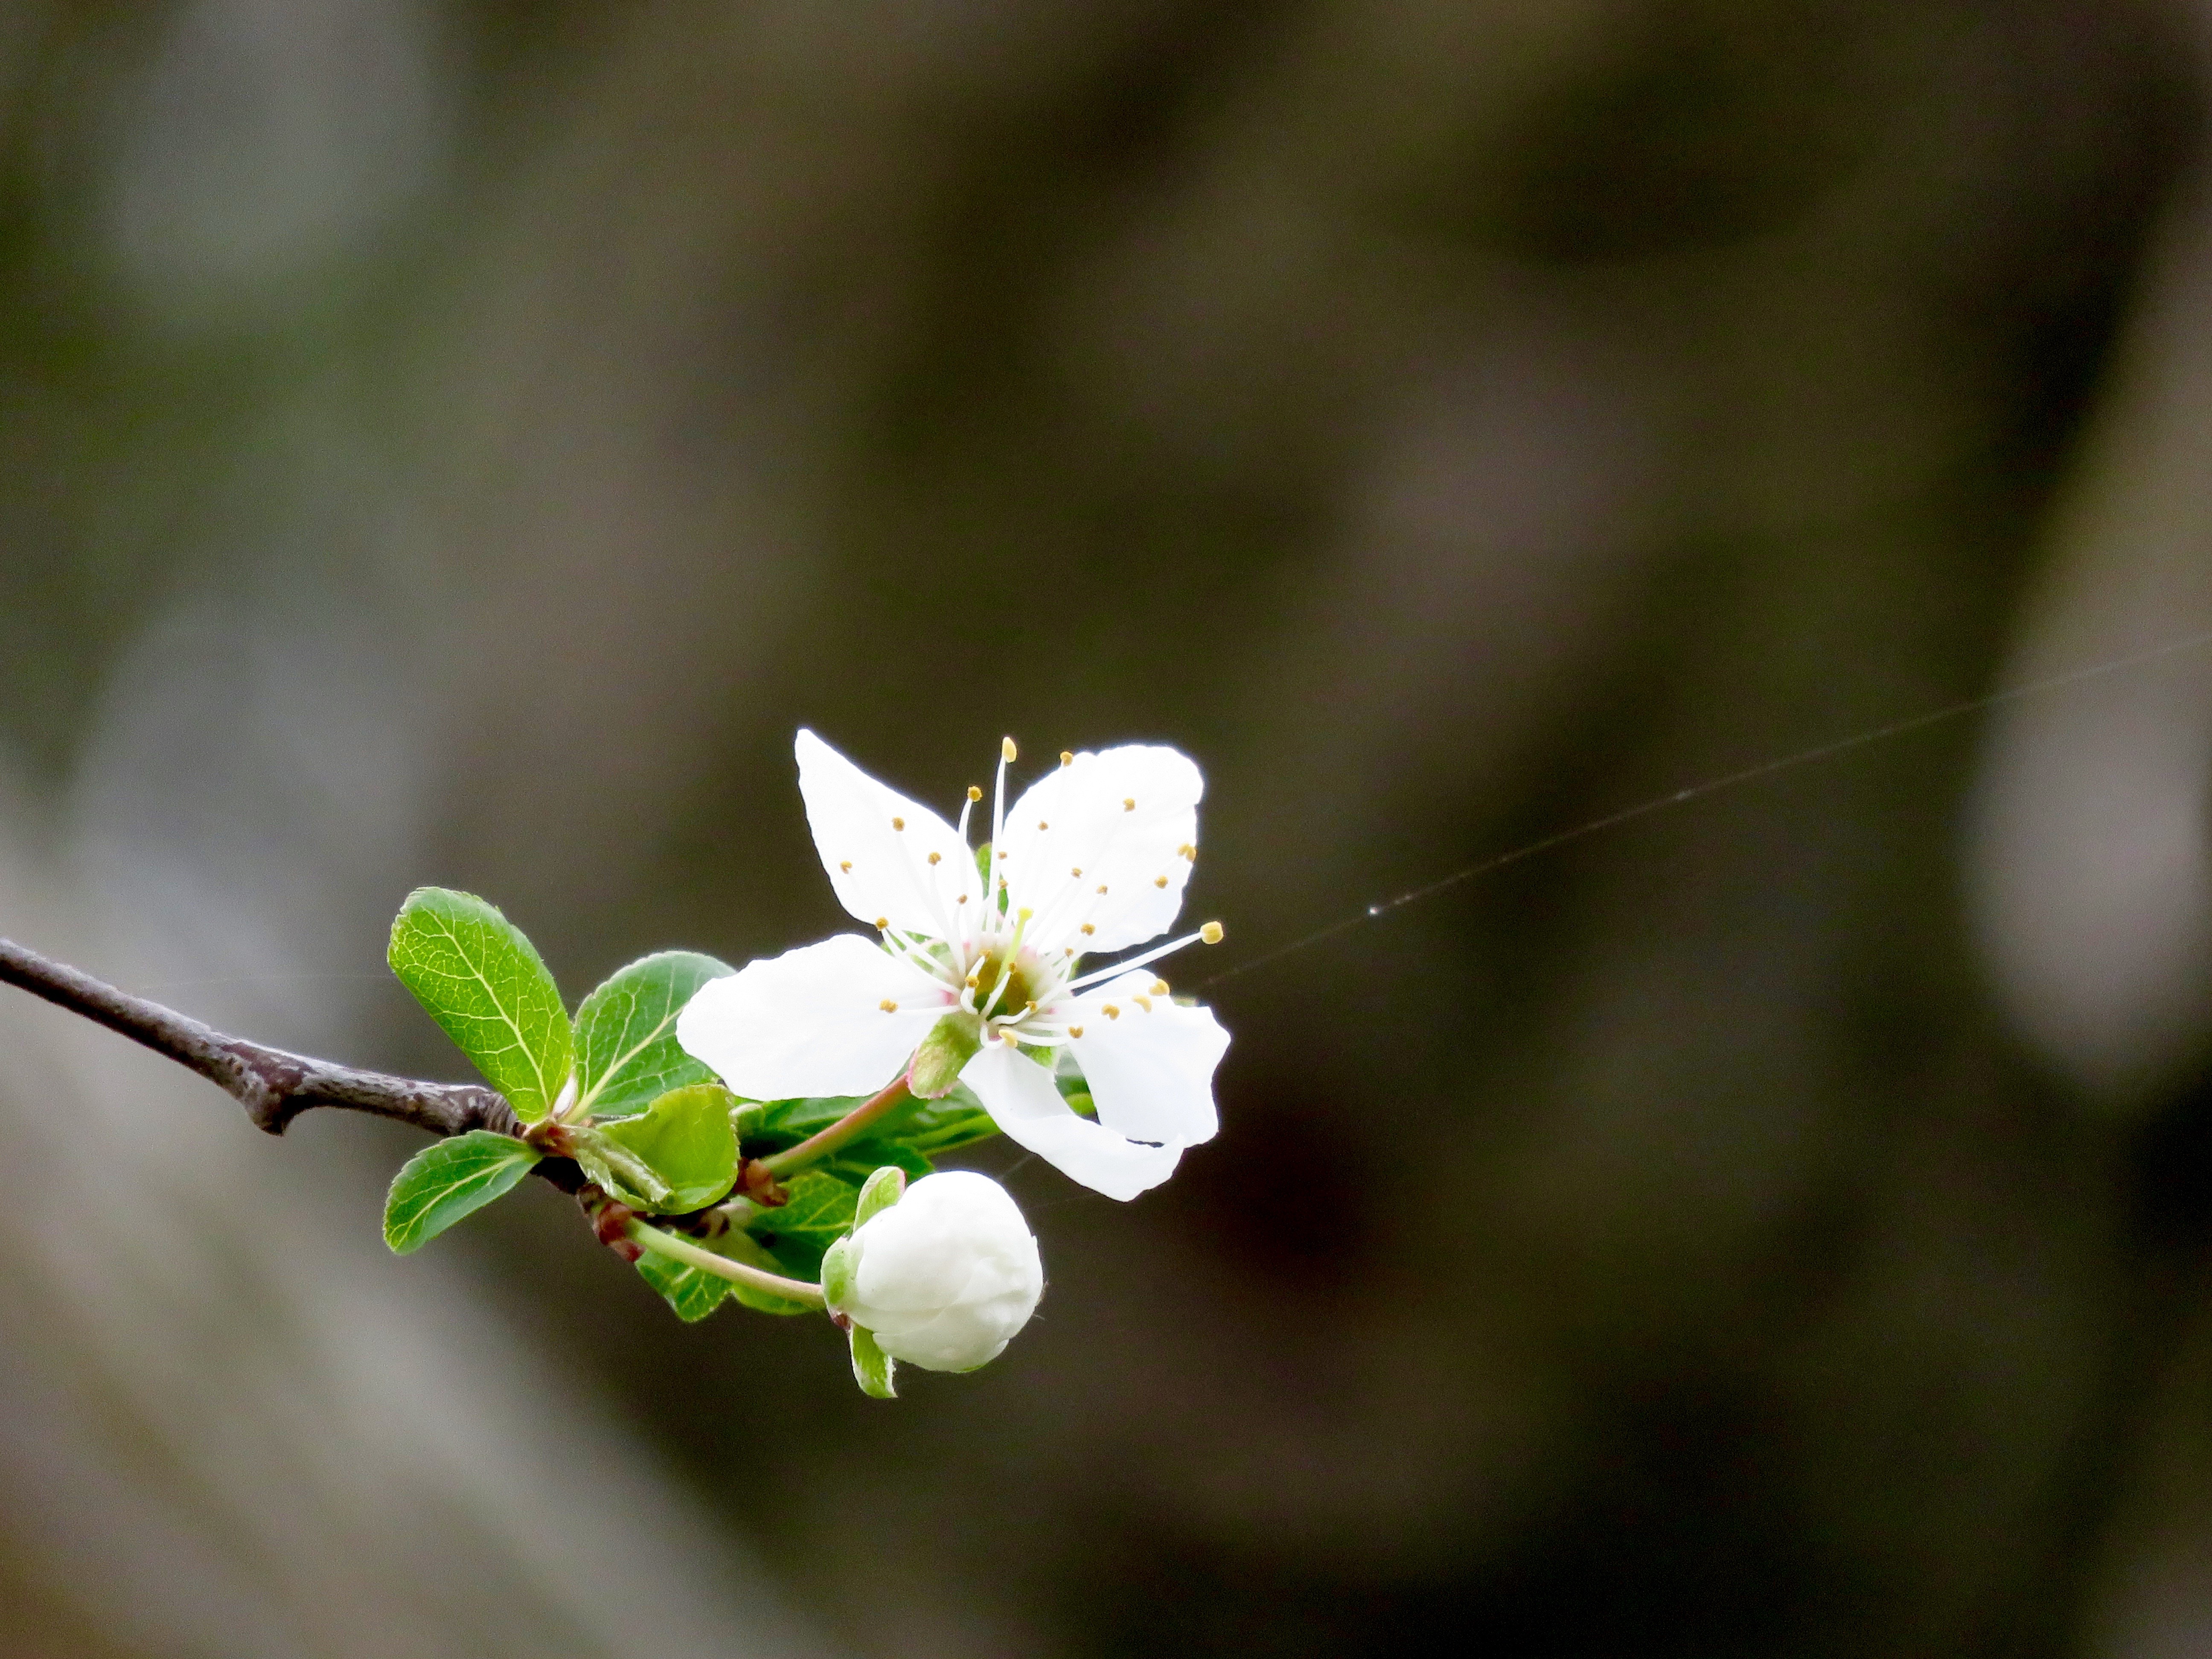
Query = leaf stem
x=849 y=1128
x=693 y=1255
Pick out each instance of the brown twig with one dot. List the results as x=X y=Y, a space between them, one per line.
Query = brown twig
x=274 y=1086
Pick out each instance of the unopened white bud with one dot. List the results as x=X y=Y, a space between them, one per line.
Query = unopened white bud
x=944 y=1277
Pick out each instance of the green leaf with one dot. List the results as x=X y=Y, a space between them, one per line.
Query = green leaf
x=448 y=1180
x=872 y=1367
x=627 y=1055
x=819 y=1213
x=692 y=1292
x=926 y=1127
x=483 y=981
x=684 y=1138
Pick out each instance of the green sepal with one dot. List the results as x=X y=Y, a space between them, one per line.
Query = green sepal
x=692 y=1292
x=448 y=1180
x=797 y=1232
x=678 y=1155
x=879 y=1192
x=627 y=1055
x=485 y=985
x=941 y=1056
x=872 y=1366
x=841 y=1263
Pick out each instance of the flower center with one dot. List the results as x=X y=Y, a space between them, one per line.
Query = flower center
x=1021 y=981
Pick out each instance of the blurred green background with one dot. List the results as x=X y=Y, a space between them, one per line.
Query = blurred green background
x=460 y=442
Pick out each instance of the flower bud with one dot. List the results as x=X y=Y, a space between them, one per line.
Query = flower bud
x=942 y=1278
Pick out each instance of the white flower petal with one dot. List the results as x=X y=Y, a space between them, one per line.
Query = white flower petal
x=1022 y=1100
x=875 y=846
x=811 y=1021
x=1121 y=819
x=1150 y=1064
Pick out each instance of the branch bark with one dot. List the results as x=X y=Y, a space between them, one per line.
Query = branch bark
x=273 y=1085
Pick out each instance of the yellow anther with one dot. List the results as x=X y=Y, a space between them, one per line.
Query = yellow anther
x=936 y=857
x=1006 y=751
x=1112 y=1012
x=1129 y=803
x=1029 y=1008
x=1188 y=851
x=1067 y=758
x=1211 y=933
x=1002 y=852
x=845 y=864
x=1159 y=988
x=1160 y=881
x=1075 y=1031
x=975 y=793
x=898 y=823
x=1042 y=825
x=963 y=898
x=1145 y=1003
x=1102 y=887
x=1088 y=928
x=882 y=921
x=1077 y=871
x=975 y=982
x=888 y=1005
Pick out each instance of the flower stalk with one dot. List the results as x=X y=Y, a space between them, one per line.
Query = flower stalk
x=847 y=1129
x=693 y=1255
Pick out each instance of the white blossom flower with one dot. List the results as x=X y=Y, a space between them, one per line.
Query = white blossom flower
x=944 y=1277
x=1093 y=857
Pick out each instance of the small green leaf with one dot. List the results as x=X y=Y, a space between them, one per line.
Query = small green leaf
x=819 y=1213
x=448 y=1180
x=483 y=982
x=692 y=1292
x=627 y=1055
x=872 y=1367
x=621 y=1172
x=684 y=1138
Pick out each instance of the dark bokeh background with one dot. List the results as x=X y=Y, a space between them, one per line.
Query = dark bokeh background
x=460 y=442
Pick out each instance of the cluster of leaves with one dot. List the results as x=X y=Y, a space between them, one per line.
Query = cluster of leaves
x=648 y=1123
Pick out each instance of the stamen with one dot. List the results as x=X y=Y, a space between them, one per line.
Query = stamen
x=936 y=857
x=898 y=823
x=1159 y=988
x=1129 y=804
x=1101 y=889
x=1077 y=871
x=1067 y=758
x=1111 y=1011
x=975 y=793
x=1006 y=751
x=1145 y=1003
x=1042 y=825
x=1075 y=1031
x=888 y=1005
x=845 y=866
x=883 y=922
x=1088 y=928
x=1211 y=934
x=1157 y=881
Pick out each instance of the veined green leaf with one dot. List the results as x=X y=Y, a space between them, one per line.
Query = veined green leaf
x=819 y=1213
x=853 y=1164
x=692 y=1292
x=928 y=1127
x=448 y=1180
x=483 y=984
x=627 y=1055
x=685 y=1138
